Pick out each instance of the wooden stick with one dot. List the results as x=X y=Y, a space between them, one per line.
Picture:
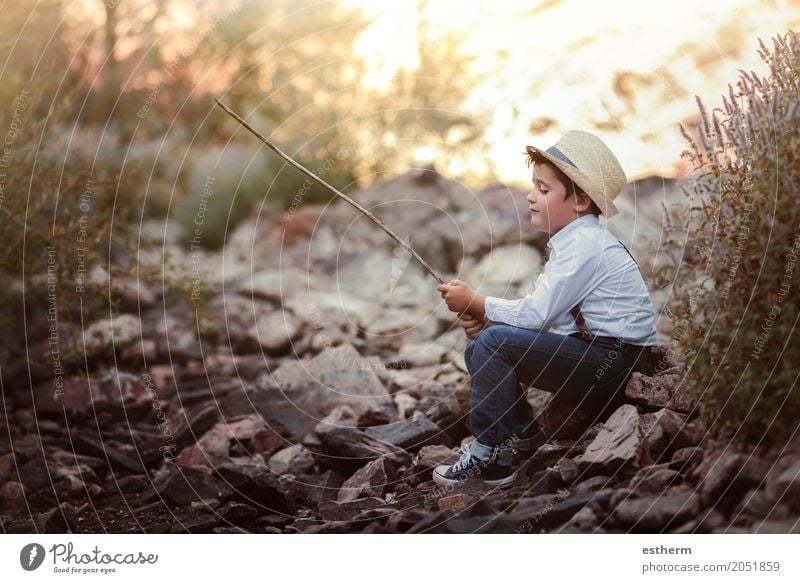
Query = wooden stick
x=302 y=169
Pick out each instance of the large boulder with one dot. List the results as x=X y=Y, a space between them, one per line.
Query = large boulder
x=620 y=442
x=511 y=265
x=658 y=392
x=300 y=394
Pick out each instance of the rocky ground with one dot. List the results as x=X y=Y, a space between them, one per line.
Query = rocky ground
x=326 y=380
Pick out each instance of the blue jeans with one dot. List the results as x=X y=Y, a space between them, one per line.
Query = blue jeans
x=503 y=356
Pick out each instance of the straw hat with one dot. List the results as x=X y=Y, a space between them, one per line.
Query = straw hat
x=590 y=164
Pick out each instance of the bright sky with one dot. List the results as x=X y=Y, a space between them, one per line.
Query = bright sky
x=564 y=57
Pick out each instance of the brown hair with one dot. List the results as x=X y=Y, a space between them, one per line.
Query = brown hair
x=534 y=157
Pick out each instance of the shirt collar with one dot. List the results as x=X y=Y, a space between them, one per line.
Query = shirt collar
x=567 y=230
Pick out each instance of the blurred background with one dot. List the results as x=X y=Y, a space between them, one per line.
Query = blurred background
x=127 y=85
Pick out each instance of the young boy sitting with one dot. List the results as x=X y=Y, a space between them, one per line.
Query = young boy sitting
x=586 y=325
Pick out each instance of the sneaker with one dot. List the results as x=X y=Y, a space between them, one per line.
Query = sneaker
x=525 y=448
x=471 y=469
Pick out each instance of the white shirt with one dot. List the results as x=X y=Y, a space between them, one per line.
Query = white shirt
x=588 y=266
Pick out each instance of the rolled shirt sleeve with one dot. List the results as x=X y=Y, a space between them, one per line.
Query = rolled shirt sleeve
x=566 y=280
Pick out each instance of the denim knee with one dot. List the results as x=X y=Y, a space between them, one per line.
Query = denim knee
x=468 y=350
x=492 y=336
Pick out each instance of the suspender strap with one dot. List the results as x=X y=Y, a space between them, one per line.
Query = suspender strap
x=576 y=311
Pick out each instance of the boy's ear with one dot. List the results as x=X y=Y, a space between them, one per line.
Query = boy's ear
x=583 y=201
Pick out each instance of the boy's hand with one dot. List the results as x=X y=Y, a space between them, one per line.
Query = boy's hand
x=472 y=326
x=460 y=298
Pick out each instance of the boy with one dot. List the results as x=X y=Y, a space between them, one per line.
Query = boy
x=590 y=292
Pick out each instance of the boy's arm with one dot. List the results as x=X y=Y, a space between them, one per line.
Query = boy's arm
x=566 y=280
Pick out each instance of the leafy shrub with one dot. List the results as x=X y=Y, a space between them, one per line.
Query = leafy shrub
x=735 y=313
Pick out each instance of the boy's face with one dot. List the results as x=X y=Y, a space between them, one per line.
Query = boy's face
x=549 y=211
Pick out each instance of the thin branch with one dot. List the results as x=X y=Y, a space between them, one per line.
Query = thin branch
x=361 y=209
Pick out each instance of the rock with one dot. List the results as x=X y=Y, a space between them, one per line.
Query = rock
x=113 y=333
x=370 y=480
x=230 y=513
x=653 y=480
x=335 y=317
x=410 y=434
x=675 y=431
x=659 y=392
x=131 y=484
x=176 y=340
x=373 y=417
x=593 y=484
x=256 y=485
x=655 y=514
x=354 y=448
x=395 y=327
x=7 y=462
x=548 y=481
x=786 y=526
x=275 y=331
x=182 y=485
x=546 y=456
x=193 y=423
x=348 y=510
x=212 y=450
x=542 y=513
x=687 y=458
x=726 y=478
x=508 y=265
x=12 y=496
x=501 y=226
x=787 y=485
x=620 y=495
x=569 y=470
x=562 y=416
x=423 y=354
x=28 y=446
x=300 y=393
x=295 y=459
x=86 y=445
x=455 y=502
x=58 y=520
x=441 y=410
x=430 y=456
x=410 y=216
x=123 y=395
x=757 y=504
x=584 y=521
x=707 y=522
x=340 y=416
x=275 y=285
x=619 y=443
x=35 y=474
x=70 y=486
x=405 y=382
x=267 y=441
x=75 y=470
x=405 y=404
x=313 y=489
x=214 y=447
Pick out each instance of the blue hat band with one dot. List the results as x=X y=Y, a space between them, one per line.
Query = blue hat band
x=556 y=153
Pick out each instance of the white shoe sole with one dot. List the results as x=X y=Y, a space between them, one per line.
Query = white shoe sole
x=438 y=477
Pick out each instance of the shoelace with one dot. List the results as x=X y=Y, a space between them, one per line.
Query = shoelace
x=464 y=460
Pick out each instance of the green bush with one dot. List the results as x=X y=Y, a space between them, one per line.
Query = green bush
x=734 y=310
x=230 y=182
